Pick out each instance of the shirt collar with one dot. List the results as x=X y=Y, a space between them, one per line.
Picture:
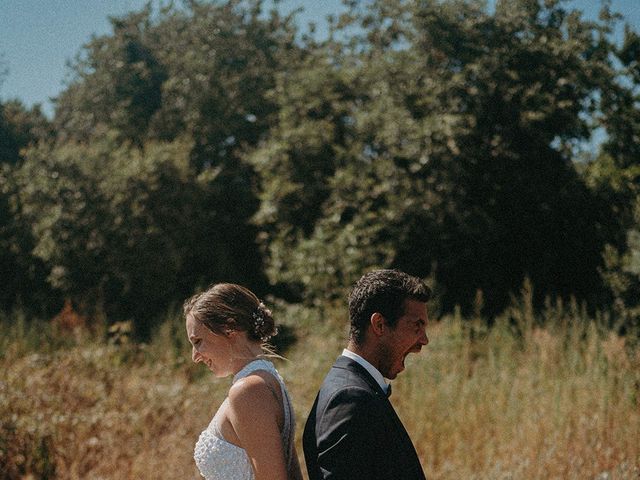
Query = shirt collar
x=373 y=371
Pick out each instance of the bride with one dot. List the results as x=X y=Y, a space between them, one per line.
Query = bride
x=251 y=435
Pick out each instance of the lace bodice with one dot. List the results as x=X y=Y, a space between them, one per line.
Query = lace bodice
x=218 y=459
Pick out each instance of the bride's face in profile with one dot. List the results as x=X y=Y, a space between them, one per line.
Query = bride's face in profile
x=209 y=348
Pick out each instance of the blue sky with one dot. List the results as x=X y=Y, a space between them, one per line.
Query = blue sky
x=39 y=37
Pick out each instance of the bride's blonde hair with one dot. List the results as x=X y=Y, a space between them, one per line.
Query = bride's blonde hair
x=227 y=307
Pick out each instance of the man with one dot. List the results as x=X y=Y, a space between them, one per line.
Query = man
x=352 y=431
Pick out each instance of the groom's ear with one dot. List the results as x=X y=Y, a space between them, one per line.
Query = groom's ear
x=378 y=324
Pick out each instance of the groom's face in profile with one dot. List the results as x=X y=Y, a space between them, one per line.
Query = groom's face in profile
x=407 y=336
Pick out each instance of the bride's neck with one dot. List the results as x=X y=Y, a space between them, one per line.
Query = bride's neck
x=245 y=354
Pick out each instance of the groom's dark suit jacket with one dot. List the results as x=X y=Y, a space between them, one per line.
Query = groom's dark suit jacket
x=353 y=432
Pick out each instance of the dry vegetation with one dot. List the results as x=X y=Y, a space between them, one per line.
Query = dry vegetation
x=551 y=397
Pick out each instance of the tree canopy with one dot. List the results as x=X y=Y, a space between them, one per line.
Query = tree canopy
x=216 y=141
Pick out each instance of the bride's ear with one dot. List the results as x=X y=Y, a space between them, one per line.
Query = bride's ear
x=230 y=333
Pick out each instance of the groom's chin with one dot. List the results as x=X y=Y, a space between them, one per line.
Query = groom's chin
x=392 y=375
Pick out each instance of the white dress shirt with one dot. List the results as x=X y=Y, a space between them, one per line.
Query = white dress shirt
x=373 y=371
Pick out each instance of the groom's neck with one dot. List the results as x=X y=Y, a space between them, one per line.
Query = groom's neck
x=365 y=351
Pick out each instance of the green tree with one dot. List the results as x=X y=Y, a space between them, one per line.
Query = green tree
x=202 y=70
x=622 y=276
x=296 y=164
x=118 y=84
x=457 y=152
x=130 y=231
x=19 y=128
x=615 y=176
x=22 y=273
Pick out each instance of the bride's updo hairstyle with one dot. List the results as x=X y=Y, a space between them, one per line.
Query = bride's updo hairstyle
x=227 y=307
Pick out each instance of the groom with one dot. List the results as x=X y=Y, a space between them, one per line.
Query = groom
x=352 y=431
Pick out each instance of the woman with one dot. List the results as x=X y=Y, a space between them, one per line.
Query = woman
x=251 y=435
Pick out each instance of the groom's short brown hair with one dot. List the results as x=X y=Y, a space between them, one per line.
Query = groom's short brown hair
x=382 y=291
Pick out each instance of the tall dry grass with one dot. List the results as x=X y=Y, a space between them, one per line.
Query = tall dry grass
x=544 y=403
x=535 y=397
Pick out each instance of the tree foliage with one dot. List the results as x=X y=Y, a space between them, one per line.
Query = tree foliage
x=19 y=128
x=615 y=176
x=23 y=275
x=212 y=141
x=128 y=230
x=454 y=151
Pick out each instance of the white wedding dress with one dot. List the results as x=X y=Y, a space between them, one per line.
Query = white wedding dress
x=218 y=459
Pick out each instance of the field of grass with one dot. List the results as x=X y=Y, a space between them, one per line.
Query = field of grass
x=549 y=397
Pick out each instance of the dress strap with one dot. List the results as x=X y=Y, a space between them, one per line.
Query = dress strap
x=255 y=365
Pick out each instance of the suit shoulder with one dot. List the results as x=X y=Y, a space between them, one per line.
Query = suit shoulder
x=348 y=400
x=352 y=392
